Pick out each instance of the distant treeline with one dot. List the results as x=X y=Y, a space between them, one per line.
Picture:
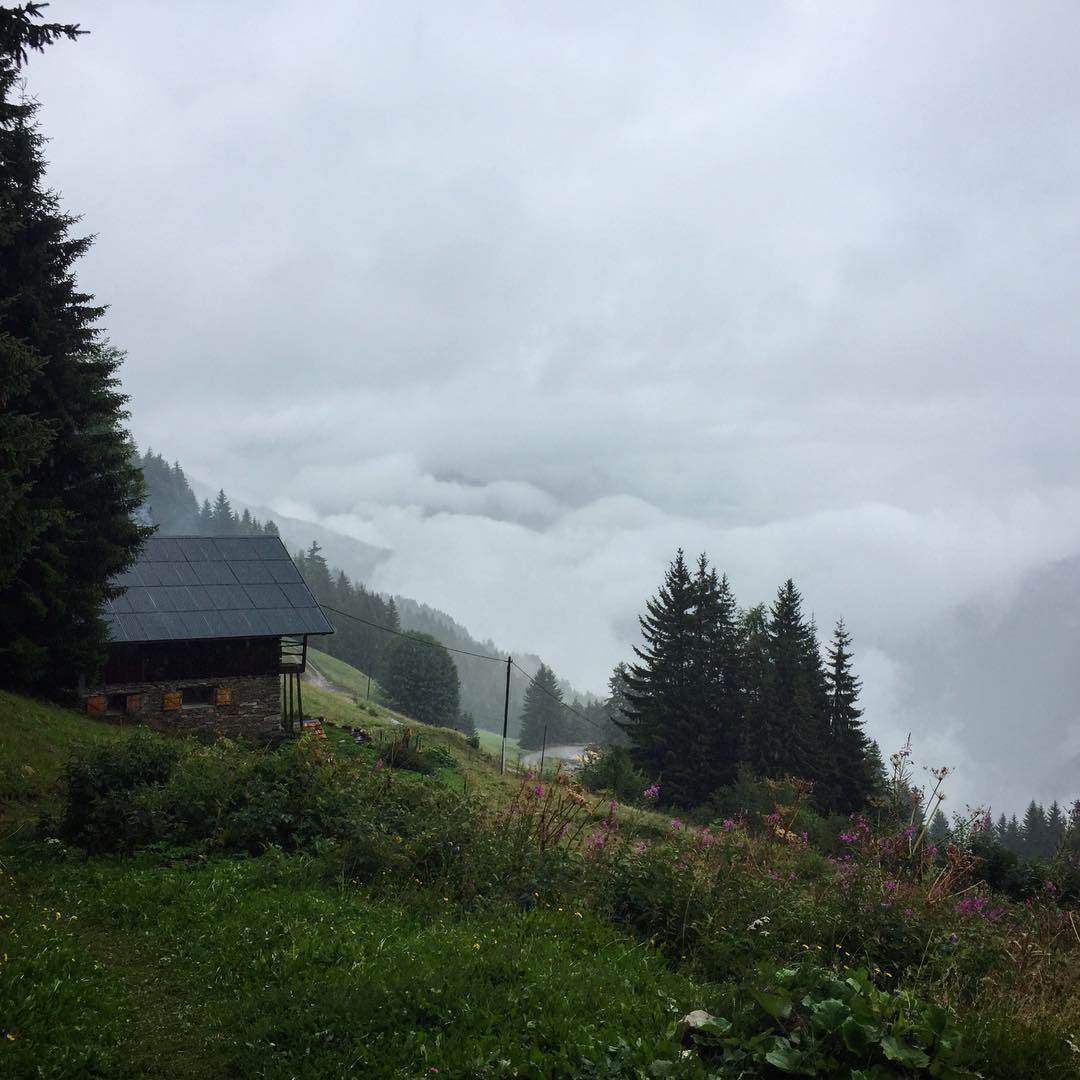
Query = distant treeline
x=171 y=505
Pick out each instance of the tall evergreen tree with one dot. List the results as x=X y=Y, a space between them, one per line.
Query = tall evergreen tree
x=853 y=780
x=222 y=518
x=68 y=486
x=661 y=687
x=720 y=684
x=615 y=709
x=791 y=740
x=1033 y=830
x=542 y=719
x=939 y=827
x=1055 y=827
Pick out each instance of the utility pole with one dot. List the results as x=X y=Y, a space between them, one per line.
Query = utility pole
x=543 y=747
x=506 y=714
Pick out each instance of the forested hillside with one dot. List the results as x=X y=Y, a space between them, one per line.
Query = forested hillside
x=364 y=621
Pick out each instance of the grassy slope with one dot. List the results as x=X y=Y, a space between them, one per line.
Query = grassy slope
x=164 y=965
x=344 y=675
x=261 y=967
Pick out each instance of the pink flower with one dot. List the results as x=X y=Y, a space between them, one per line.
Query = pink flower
x=676 y=823
x=538 y=791
x=728 y=823
x=379 y=764
x=652 y=791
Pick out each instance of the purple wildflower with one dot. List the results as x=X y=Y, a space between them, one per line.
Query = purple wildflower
x=652 y=791
x=676 y=824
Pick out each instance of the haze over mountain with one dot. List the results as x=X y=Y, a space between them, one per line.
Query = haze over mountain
x=528 y=298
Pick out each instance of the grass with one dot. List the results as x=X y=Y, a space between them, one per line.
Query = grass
x=435 y=935
x=344 y=675
x=263 y=968
x=36 y=739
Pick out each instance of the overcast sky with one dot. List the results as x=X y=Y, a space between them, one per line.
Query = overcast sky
x=532 y=294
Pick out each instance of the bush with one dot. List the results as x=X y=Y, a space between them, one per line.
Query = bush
x=98 y=788
x=610 y=769
x=126 y=796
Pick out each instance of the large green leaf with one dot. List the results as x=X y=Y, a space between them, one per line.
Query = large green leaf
x=828 y=1015
x=858 y=1037
x=897 y=1050
x=777 y=1005
x=786 y=1058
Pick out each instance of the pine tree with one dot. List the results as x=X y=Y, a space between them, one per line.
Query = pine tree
x=615 y=709
x=1055 y=828
x=68 y=485
x=756 y=673
x=542 y=717
x=661 y=688
x=1033 y=831
x=939 y=827
x=222 y=518
x=853 y=781
x=794 y=725
x=1014 y=840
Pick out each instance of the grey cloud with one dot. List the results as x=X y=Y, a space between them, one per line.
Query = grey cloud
x=532 y=295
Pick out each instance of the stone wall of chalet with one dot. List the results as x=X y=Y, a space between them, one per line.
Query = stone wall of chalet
x=244 y=705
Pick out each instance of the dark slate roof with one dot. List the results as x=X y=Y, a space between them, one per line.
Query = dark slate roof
x=198 y=587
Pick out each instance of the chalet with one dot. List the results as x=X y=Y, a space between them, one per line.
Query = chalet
x=210 y=634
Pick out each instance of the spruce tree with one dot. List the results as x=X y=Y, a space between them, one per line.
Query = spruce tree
x=615 y=709
x=719 y=731
x=1033 y=831
x=1055 y=827
x=791 y=742
x=542 y=718
x=661 y=688
x=853 y=781
x=68 y=485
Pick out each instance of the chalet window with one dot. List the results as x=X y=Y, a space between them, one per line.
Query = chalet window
x=116 y=703
x=197 y=696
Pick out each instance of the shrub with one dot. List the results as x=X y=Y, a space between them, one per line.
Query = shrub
x=610 y=769
x=99 y=784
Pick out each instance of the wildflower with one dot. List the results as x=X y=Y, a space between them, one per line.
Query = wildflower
x=476 y=945
x=613 y=806
x=728 y=823
x=652 y=791
x=676 y=824
x=888 y=885
x=640 y=848
x=379 y=764
x=538 y=791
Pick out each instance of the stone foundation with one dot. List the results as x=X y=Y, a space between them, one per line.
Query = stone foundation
x=248 y=705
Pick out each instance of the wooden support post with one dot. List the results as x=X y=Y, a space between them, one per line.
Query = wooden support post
x=543 y=747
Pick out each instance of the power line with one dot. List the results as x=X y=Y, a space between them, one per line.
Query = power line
x=403 y=633
x=465 y=652
x=555 y=697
